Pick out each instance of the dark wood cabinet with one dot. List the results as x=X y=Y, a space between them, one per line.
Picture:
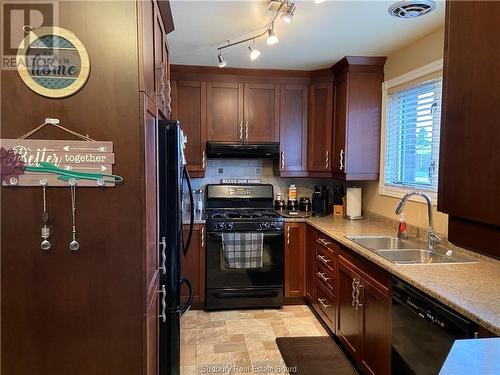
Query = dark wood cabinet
x=311 y=264
x=193 y=265
x=225 y=111
x=319 y=142
x=470 y=135
x=189 y=106
x=293 y=130
x=261 y=112
x=295 y=259
x=357 y=111
x=364 y=314
x=151 y=362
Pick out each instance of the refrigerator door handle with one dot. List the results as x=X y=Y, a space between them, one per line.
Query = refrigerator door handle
x=184 y=308
x=163 y=314
x=163 y=267
x=191 y=215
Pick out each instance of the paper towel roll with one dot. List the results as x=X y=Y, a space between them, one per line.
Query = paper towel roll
x=354 y=201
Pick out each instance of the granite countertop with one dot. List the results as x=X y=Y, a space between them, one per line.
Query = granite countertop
x=470 y=289
x=473 y=357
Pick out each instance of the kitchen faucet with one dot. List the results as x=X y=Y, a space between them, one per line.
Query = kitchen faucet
x=432 y=238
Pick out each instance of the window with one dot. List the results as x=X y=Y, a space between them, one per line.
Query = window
x=412 y=124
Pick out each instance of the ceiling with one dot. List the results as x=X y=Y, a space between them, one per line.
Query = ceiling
x=320 y=35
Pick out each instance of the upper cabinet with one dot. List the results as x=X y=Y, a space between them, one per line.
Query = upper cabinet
x=470 y=134
x=261 y=112
x=319 y=142
x=189 y=99
x=357 y=111
x=293 y=129
x=154 y=56
x=225 y=111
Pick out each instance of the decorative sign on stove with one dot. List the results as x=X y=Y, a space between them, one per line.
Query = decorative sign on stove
x=53 y=62
x=27 y=162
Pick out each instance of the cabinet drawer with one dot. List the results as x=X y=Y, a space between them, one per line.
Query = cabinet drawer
x=326 y=277
x=327 y=243
x=326 y=258
x=326 y=304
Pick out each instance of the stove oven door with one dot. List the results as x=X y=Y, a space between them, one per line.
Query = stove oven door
x=244 y=287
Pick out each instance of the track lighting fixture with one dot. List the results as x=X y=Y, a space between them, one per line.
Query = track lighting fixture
x=288 y=15
x=271 y=36
x=254 y=53
x=222 y=62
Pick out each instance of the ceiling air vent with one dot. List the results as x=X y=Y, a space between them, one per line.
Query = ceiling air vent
x=411 y=8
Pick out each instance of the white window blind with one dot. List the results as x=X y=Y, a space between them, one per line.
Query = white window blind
x=412 y=134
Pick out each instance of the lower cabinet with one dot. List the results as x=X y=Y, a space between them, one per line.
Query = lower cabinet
x=364 y=320
x=193 y=265
x=295 y=260
x=353 y=298
x=151 y=322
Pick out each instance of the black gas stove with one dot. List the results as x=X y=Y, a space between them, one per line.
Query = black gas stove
x=242 y=210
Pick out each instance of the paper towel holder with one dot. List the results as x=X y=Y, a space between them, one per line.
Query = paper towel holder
x=354 y=217
x=346 y=205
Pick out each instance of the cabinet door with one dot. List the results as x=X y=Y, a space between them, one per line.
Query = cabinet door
x=150 y=119
x=340 y=124
x=376 y=310
x=189 y=107
x=193 y=264
x=311 y=265
x=261 y=112
x=295 y=260
x=148 y=83
x=152 y=336
x=319 y=144
x=225 y=111
x=293 y=128
x=160 y=78
x=348 y=329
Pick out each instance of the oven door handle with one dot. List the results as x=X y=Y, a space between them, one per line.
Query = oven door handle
x=185 y=246
x=255 y=294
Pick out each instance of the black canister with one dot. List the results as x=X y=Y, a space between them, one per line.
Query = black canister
x=304 y=204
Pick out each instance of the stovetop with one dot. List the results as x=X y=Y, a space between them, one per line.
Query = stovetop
x=250 y=214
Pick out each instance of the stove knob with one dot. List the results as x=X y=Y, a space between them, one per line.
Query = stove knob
x=264 y=225
x=229 y=226
x=273 y=225
x=220 y=226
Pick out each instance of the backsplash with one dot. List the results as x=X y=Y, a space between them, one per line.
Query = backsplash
x=262 y=169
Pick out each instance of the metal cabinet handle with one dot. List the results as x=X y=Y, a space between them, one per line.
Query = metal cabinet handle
x=327 y=159
x=163 y=267
x=288 y=235
x=358 y=286
x=163 y=314
x=322 y=276
x=353 y=293
x=323 y=302
x=341 y=159
x=203 y=159
x=246 y=131
x=283 y=160
x=203 y=237
x=324 y=259
x=323 y=242
x=241 y=131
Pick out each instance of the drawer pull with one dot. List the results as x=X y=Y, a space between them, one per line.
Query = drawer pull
x=324 y=259
x=323 y=242
x=323 y=277
x=324 y=302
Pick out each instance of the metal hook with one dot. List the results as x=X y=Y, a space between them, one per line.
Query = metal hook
x=27 y=29
x=52 y=121
x=72 y=181
x=44 y=182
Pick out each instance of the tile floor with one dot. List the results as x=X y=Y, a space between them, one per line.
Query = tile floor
x=241 y=341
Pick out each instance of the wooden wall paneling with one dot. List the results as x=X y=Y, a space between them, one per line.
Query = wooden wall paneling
x=78 y=313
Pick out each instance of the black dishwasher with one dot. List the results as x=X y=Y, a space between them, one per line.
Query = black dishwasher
x=423 y=331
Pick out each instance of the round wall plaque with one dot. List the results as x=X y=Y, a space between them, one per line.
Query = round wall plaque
x=53 y=62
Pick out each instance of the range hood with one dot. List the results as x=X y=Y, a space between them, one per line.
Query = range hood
x=243 y=151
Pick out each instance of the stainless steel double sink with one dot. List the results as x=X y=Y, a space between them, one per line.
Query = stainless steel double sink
x=411 y=251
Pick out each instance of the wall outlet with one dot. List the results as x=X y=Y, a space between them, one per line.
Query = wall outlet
x=258 y=171
x=220 y=170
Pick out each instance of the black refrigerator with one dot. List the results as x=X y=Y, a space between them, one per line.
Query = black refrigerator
x=173 y=177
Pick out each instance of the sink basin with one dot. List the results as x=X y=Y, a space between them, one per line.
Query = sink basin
x=383 y=242
x=411 y=251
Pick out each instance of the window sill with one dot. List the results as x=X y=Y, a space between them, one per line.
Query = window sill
x=399 y=192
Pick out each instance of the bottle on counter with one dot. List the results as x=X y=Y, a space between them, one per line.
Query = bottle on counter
x=292 y=193
x=402 y=227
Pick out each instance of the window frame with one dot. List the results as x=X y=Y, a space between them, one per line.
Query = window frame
x=390 y=190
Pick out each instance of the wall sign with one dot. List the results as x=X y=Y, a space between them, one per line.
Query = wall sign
x=53 y=62
x=25 y=162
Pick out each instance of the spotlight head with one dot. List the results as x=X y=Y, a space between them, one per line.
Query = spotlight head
x=271 y=36
x=222 y=63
